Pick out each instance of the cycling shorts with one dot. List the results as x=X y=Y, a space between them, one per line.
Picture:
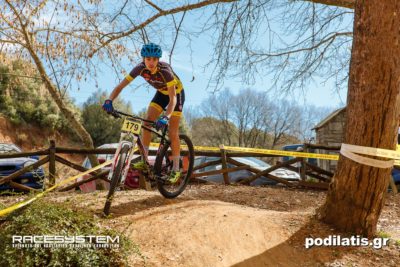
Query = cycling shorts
x=160 y=102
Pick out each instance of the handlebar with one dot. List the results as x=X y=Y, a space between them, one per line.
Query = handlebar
x=117 y=114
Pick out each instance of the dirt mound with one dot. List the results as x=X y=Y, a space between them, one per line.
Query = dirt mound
x=216 y=225
x=212 y=233
x=236 y=226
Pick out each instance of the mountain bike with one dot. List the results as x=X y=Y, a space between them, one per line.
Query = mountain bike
x=130 y=142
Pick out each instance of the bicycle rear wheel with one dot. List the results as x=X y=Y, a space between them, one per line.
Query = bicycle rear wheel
x=116 y=178
x=163 y=167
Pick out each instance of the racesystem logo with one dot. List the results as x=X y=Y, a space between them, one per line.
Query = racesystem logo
x=51 y=241
x=337 y=240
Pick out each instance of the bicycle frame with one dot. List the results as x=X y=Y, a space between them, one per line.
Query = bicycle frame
x=131 y=140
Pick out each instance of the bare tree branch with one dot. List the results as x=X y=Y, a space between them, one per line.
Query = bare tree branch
x=144 y=36
x=177 y=28
x=35 y=49
x=328 y=39
x=339 y=3
x=37 y=9
x=48 y=53
x=120 y=11
x=156 y=16
x=17 y=14
x=154 y=5
x=9 y=41
x=248 y=47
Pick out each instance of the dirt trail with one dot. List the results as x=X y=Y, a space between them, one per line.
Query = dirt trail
x=211 y=225
x=211 y=233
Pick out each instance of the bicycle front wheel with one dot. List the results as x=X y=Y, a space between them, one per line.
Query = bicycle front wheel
x=163 y=167
x=116 y=178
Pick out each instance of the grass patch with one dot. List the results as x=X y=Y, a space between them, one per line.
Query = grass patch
x=11 y=193
x=44 y=218
x=382 y=234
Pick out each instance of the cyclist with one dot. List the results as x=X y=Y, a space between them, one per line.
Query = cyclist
x=169 y=97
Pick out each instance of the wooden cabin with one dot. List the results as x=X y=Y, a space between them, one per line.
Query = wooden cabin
x=330 y=132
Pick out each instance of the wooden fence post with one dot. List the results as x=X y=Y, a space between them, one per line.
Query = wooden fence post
x=303 y=170
x=224 y=165
x=303 y=167
x=52 y=163
x=392 y=185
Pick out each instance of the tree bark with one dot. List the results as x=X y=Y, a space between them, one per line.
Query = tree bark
x=356 y=193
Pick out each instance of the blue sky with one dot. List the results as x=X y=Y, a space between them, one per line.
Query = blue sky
x=317 y=93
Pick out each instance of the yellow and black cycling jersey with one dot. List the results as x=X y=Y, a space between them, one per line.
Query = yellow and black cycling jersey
x=161 y=79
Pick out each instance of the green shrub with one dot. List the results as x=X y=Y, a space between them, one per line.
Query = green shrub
x=23 y=100
x=44 y=218
x=52 y=121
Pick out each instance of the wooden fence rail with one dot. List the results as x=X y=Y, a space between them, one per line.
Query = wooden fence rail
x=266 y=173
x=52 y=155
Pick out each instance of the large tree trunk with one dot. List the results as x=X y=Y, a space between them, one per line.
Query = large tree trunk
x=67 y=113
x=356 y=194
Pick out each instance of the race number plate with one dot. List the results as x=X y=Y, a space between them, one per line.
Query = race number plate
x=131 y=126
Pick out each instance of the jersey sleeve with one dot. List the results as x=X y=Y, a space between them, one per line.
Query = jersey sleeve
x=134 y=72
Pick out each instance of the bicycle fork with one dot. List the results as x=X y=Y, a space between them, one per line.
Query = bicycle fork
x=131 y=150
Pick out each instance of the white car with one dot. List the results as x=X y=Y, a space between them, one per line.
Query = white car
x=243 y=174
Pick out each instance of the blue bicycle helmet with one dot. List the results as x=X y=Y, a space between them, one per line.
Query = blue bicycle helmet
x=151 y=50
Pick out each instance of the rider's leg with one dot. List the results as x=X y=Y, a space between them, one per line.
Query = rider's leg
x=174 y=137
x=174 y=130
x=153 y=112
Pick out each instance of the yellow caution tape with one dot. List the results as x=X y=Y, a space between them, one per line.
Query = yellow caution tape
x=391 y=154
x=283 y=153
x=265 y=151
x=37 y=196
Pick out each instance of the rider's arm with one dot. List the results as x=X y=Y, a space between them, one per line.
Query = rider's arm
x=119 y=88
x=128 y=78
x=172 y=101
